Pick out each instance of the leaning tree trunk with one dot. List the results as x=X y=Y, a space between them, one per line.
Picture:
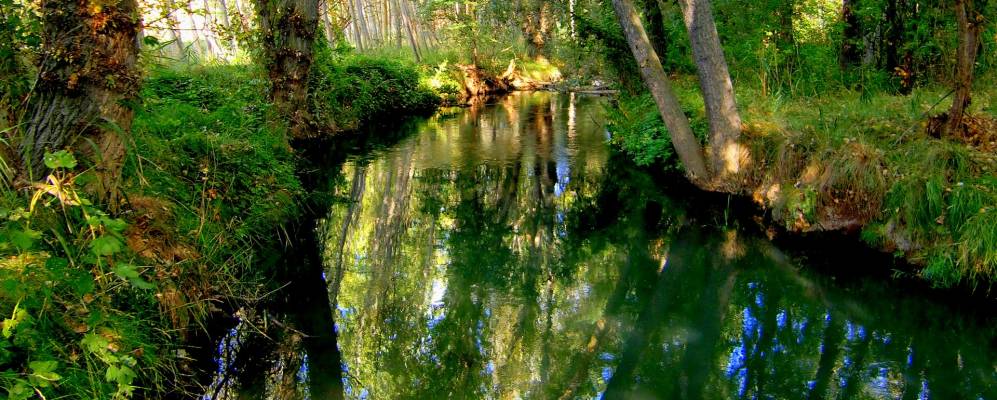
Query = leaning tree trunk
x=87 y=75
x=718 y=92
x=969 y=41
x=288 y=29
x=686 y=145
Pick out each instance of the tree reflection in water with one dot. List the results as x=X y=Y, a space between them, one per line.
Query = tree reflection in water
x=501 y=253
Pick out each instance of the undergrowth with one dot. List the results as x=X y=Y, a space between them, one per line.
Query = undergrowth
x=861 y=158
x=98 y=305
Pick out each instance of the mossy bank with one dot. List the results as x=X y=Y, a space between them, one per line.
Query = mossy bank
x=104 y=305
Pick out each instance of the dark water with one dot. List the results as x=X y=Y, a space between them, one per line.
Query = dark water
x=503 y=252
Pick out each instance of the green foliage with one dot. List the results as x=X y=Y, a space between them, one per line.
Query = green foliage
x=351 y=91
x=54 y=267
x=226 y=172
x=638 y=130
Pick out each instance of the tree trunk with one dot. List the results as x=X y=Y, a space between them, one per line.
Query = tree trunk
x=686 y=145
x=411 y=35
x=535 y=27
x=227 y=23
x=88 y=74
x=656 y=28
x=969 y=41
x=171 y=19
x=718 y=92
x=851 y=36
x=288 y=29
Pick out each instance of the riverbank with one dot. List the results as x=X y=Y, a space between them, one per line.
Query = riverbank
x=859 y=162
x=108 y=305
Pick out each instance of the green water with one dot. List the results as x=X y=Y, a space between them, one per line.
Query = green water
x=502 y=252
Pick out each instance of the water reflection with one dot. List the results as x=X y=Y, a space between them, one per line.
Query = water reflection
x=502 y=254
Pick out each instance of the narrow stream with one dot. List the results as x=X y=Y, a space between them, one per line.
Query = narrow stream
x=503 y=252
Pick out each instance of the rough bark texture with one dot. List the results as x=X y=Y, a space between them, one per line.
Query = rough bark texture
x=87 y=75
x=535 y=26
x=686 y=145
x=288 y=29
x=718 y=92
x=969 y=41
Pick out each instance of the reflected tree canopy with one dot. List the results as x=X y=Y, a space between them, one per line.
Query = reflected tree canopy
x=503 y=253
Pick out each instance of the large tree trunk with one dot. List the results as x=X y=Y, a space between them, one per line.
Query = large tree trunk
x=535 y=26
x=718 y=92
x=288 y=28
x=969 y=41
x=88 y=73
x=686 y=145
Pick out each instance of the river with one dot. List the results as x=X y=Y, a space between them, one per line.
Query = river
x=504 y=252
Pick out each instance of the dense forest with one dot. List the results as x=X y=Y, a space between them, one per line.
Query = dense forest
x=155 y=155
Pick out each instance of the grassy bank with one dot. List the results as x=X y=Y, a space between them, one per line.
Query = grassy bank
x=855 y=160
x=100 y=305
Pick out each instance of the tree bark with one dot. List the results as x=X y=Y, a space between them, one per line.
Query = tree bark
x=411 y=35
x=288 y=28
x=969 y=41
x=656 y=28
x=87 y=75
x=851 y=36
x=535 y=27
x=686 y=145
x=718 y=92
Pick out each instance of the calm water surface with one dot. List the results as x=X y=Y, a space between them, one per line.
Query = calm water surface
x=502 y=252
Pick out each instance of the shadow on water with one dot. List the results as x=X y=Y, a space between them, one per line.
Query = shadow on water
x=504 y=252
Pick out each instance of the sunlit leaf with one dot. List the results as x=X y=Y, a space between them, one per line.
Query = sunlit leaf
x=60 y=159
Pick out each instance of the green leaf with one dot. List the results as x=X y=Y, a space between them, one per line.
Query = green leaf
x=60 y=159
x=106 y=245
x=131 y=273
x=94 y=343
x=20 y=391
x=43 y=373
x=114 y=224
x=23 y=240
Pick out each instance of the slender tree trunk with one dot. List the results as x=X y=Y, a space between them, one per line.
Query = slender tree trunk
x=288 y=29
x=87 y=75
x=571 y=17
x=398 y=23
x=656 y=28
x=411 y=35
x=686 y=145
x=171 y=19
x=718 y=92
x=851 y=36
x=227 y=23
x=786 y=36
x=969 y=41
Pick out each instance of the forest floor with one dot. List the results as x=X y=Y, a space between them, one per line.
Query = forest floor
x=858 y=161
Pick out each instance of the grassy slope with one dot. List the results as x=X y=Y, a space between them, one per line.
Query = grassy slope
x=865 y=157
x=100 y=309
